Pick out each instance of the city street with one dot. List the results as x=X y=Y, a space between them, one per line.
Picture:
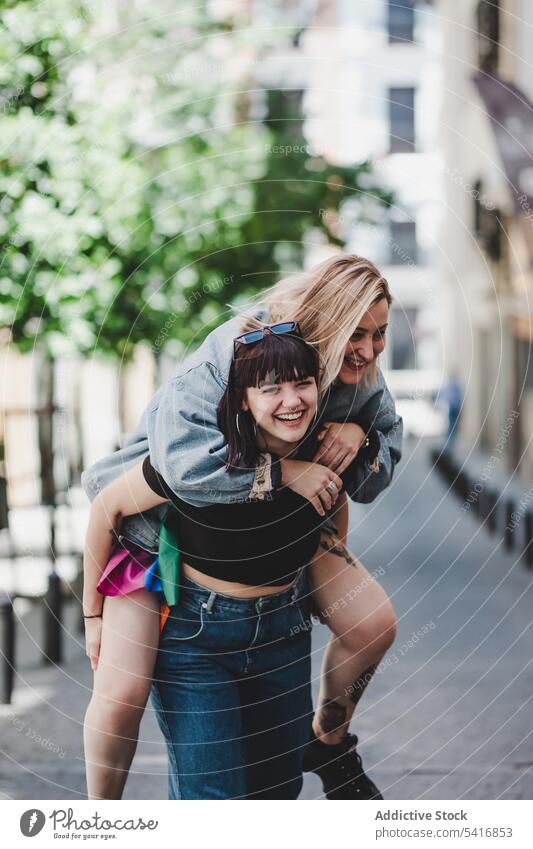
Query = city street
x=448 y=715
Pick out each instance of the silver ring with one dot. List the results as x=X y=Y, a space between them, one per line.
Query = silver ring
x=331 y=487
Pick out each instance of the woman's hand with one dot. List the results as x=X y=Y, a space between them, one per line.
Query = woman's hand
x=93 y=636
x=340 y=444
x=311 y=481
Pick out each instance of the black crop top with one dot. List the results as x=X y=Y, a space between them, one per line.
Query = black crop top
x=254 y=542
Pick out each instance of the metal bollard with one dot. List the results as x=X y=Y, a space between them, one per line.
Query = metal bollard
x=448 y=468
x=508 y=534
x=492 y=510
x=53 y=604
x=484 y=507
x=476 y=493
x=462 y=485
x=7 y=637
x=4 y=510
x=528 y=550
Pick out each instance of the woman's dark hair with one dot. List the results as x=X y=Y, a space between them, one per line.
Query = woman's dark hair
x=275 y=359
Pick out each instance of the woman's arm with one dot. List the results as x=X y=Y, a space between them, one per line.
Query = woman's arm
x=373 y=468
x=179 y=429
x=125 y=496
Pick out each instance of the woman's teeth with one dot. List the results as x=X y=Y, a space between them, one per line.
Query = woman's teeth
x=353 y=363
x=290 y=417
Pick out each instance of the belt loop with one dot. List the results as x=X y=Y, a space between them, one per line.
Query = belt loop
x=208 y=605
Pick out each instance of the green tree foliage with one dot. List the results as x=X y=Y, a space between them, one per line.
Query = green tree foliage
x=137 y=192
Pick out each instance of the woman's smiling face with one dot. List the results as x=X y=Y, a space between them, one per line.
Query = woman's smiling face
x=283 y=411
x=366 y=343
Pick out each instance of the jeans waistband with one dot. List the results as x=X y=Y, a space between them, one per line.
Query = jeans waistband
x=272 y=601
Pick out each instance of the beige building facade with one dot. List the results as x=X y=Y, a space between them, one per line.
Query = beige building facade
x=487 y=232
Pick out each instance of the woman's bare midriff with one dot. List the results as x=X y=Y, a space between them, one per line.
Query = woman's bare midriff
x=229 y=587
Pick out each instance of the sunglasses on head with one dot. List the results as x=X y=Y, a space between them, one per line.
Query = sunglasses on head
x=254 y=336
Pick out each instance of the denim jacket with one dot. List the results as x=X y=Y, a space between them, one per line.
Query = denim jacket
x=179 y=430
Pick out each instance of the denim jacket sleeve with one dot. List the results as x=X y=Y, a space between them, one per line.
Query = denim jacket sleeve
x=188 y=449
x=369 y=475
x=372 y=408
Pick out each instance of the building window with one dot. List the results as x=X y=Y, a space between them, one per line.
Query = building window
x=488 y=35
x=401 y=20
x=402 y=120
x=403 y=338
x=403 y=249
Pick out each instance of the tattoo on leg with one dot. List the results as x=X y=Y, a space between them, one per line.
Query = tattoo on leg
x=360 y=684
x=331 y=715
x=335 y=546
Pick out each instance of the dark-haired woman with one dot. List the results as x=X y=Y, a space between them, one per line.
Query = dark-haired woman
x=232 y=678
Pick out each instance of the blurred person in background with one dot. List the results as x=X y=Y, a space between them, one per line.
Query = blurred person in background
x=451 y=395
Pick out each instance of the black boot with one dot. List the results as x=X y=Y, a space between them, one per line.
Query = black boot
x=340 y=769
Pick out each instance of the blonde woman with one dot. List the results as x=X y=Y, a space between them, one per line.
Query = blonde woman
x=341 y=307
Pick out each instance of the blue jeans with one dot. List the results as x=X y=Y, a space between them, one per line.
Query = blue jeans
x=232 y=692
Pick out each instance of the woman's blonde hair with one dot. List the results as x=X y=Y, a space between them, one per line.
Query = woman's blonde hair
x=328 y=301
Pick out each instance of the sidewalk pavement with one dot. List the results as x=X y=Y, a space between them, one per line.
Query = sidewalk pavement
x=447 y=716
